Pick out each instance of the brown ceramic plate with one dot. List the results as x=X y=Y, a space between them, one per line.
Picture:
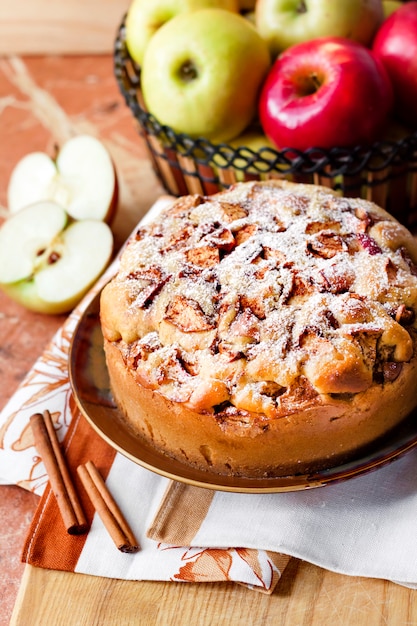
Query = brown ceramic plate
x=90 y=384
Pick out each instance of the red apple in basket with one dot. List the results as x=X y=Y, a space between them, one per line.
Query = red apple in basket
x=325 y=92
x=82 y=179
x=396 y=45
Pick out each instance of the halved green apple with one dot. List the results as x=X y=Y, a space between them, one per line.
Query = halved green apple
x=47 y=261
x=82 y=180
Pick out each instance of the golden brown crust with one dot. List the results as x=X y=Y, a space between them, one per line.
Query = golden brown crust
x=269 y=308
x=247 y=444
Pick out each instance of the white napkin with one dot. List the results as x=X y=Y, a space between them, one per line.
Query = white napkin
x=362 y=527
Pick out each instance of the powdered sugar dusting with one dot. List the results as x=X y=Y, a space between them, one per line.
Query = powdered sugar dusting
x=275 y=277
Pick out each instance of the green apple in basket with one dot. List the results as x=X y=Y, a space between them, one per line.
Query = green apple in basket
x=47 y=260
x=283 y=23
x=252 y=140
x=144 y=17
x=390 y=6
x=202 y=72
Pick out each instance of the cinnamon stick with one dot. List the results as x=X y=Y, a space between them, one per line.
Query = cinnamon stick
x=107 y=508
x=49 y=449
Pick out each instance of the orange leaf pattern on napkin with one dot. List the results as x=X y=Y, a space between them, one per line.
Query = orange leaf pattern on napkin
x=48 y=545
x=211 y=563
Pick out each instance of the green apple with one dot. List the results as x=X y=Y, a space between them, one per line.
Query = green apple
x=389 y=6
x=283 y=23
x=82 y=179
x=202 y=72
x=247 y=143
x=144 y=17
x=47 y=261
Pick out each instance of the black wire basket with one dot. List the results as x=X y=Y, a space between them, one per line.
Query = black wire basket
x=384 y=172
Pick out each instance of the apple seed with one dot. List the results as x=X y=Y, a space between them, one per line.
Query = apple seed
x=53 y=258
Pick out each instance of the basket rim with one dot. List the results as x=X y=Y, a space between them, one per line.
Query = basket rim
x=331 y=162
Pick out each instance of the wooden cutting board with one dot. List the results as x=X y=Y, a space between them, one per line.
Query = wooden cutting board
x=306 y=595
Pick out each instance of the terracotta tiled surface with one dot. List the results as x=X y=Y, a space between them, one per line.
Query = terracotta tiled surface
x=44 y=101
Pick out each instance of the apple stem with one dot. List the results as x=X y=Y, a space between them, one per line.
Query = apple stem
x=309 y=84
x=301 y=8
x=315 y=81
x=188 y=71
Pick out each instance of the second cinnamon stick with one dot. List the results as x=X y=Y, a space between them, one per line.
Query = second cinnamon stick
x=107 y=508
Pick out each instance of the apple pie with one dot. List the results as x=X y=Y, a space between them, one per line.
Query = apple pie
x=266 y=330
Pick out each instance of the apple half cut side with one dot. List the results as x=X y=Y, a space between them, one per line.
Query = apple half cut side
x=48 y=263
x=82 y=180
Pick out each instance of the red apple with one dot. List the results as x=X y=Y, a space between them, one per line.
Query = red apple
x=325 y=92
x=396 y=45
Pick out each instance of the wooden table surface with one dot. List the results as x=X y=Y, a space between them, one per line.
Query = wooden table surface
x=43 y=101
